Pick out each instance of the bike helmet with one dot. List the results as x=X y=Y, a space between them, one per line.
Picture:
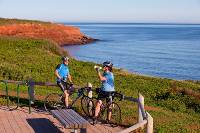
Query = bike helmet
x=65 y=58
x=107 y=64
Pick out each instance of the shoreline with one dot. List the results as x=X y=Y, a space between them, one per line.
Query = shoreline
x=127 y=71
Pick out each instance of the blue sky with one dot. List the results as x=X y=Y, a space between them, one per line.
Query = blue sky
x=159 y=11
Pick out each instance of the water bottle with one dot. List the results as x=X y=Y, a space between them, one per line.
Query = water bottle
x=89 y=85
x=97 y=67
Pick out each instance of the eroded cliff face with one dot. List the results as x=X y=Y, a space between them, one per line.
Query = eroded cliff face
x=61 y=34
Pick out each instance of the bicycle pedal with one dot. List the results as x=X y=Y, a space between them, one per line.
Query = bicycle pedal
x=94 y=122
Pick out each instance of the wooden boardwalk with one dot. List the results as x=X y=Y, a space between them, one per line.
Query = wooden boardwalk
x=39 y=121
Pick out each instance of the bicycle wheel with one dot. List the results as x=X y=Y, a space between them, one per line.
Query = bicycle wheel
x=115 y=117
x=88 y=106
x=53 y=101
x=103 y=114
x=73 y=97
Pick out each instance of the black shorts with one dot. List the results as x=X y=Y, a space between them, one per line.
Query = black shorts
x=102 y=95
x=64 y=86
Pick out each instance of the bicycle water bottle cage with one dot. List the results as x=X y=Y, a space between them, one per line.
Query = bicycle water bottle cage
x=80 y=92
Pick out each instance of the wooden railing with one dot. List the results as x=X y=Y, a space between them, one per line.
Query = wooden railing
x=144 y=118
x=30 y=89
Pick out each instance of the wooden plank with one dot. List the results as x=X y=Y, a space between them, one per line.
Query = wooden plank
x=2 y=130
x=130 y=99
x=16 y=119
x=12 y=81
x=82 y=121
x=141 y=110
x=35 y=83
x=85 y=122
x=75 y=120
x=149 y=123
x=60 y=118
x=132 y=128
x=68 y=118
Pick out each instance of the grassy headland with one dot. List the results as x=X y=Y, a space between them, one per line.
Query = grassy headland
x=174 y=105
x=59 y=33
x=4 y=21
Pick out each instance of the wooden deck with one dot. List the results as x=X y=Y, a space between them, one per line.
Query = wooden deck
x=39 y=121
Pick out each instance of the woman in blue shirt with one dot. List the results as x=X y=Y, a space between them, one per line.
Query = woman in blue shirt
x=107 y=87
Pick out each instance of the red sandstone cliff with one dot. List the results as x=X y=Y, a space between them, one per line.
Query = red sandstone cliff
x=63 y=35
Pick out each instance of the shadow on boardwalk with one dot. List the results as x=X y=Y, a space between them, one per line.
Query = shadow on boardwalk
x=41 y=125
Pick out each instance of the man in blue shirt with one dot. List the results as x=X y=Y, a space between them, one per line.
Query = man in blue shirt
x=62 y=74
x=107 y=87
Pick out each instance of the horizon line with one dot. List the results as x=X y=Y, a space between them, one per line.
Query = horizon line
x=161 y=23
x=108 y=22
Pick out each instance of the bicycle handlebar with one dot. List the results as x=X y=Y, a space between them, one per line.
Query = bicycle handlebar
x=119 y=95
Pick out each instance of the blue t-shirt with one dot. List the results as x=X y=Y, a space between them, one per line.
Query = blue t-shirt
x=108 y=84
x=63 y=71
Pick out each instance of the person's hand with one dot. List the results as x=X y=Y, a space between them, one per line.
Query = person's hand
x=59 y=79
x=62 y=80
x=97 y=69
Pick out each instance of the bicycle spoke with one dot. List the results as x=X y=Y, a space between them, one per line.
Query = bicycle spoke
x=88 y=106
x=53 y=101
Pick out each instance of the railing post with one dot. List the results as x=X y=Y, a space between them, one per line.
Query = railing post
x=17 y=95
x=31 y=92
x=29 y=97
x=140 y=104
x=149 y=123
x=7 y=97
x=89 y=85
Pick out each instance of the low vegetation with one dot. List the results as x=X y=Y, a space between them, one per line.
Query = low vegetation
x=4 y=21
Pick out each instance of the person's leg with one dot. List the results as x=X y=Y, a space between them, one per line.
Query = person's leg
x=109 y=100
x=62 y=87
x=97 y=108
x=110 y=112
x=66 y=98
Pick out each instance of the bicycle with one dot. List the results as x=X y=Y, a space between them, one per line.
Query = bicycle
x=110 y=107
x=57 y=101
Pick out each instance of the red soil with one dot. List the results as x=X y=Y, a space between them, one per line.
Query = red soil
x=151 y=108
x=63 y=35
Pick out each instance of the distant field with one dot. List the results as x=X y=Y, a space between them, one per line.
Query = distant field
x=174 y=105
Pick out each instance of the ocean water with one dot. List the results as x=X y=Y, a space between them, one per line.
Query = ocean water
x=161 y=50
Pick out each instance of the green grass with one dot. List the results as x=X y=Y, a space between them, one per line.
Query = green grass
x=4 y=21
x=175 y=111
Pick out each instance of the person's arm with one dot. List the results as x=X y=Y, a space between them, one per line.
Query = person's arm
x=70 y=78
x=102 y=78
x=57 y=75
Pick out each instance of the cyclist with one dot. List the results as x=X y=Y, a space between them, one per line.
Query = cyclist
x=107 y=87
x=62 y=74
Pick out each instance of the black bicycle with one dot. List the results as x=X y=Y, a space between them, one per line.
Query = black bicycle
x=57 y=101
x=110 y=111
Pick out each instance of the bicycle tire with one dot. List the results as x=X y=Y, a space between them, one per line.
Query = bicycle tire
x=53 y=101
x=88 y=106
